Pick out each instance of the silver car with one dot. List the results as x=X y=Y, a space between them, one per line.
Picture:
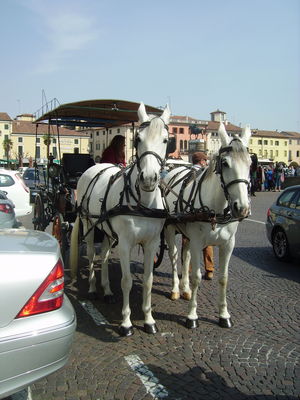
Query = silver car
x=283 y=224
x=37 y=320
x=7 y=212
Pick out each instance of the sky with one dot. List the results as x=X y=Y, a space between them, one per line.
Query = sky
x=239 y=56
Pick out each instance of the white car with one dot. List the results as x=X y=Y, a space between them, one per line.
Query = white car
x=12 y=183
x=37 y=320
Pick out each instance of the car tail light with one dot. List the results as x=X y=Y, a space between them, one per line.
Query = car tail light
x=6 y=208
x=49 y=296
x=268 y=212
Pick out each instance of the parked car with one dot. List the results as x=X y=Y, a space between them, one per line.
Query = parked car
x=34 y=178
x=37 y=320
x=283 y=224
x=22 y=170
x=12 y=183
x=7 y=212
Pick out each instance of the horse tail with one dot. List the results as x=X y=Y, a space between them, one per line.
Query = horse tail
x=74 y=248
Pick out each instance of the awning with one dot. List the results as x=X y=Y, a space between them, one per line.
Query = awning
x=95 y=113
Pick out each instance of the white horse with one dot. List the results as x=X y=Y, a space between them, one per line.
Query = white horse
x=193 y=196
x=126 y=204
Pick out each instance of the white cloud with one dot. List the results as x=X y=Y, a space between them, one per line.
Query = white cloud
x=65 y=28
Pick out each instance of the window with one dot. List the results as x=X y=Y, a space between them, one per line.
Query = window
x=286 y=198
x=38 y=140
x=97 y=146
x=297 y=153
x=6 y=126
x=271 y=142
x=6 y=180
x=271 y=153
x=251 y=141
x=103 y=133
x=181 y=144
x=285 y=153
x=91 y=136
x=20 y=139
x=265 y=142
x=20 y=150
x=54 y=151
x=174 y=130
x=285 y=142
x=118 y=130
x=38 y=152
x=109 y=131
x=276 y=152
x=181 y=130
x=97 y=133
x=75 y=141
x=290 y=141
x=276 y=143
x=259 y=141
x=53 y=140
x=185 y=145
x=76 y=150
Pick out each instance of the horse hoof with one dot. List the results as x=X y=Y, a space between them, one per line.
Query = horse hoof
x=125 y=332
x=150 y=328
x=225 y=322
x=186 y=295
x=92 y=296
x=175 y=296
x=109 y=299
x=191 y=323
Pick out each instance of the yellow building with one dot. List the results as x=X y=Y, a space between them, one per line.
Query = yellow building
x=28 y=140
x=270 y=145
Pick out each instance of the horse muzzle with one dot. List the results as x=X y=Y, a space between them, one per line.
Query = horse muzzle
x=240 y=212
x=148 y=183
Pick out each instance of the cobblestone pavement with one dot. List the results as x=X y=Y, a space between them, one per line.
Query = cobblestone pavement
x=258 y=358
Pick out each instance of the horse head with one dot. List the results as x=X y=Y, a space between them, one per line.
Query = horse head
x=233 y=165
x=151 y=145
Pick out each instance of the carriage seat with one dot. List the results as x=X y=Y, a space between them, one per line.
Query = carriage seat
x=74 y=165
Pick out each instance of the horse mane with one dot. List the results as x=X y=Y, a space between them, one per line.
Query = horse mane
x=239 y=152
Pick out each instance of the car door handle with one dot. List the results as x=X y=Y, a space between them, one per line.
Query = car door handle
x=290 y=214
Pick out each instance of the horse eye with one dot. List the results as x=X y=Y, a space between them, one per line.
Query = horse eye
x=225 y=163
x=165 y=141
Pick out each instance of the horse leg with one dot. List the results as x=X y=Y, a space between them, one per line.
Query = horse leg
x=173 y=254
x=90 y=249
x=192 y=318
x=225 y=252
x=105 y=252
x=126 y=328
x=186 y=260
x=149 y=253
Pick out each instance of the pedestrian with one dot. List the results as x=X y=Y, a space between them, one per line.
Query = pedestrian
x=199 y=160
x=278 y=176
x=115 y=152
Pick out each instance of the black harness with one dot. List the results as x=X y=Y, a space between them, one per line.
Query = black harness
x=185 y=210
x=127 y=195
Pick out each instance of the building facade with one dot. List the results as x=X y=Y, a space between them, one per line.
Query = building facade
x=29 y=140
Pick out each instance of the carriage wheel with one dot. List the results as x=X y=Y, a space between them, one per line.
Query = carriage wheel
x=59 y=231
x=160 y=253
x=39 y=214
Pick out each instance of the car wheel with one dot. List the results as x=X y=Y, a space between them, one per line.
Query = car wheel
x=280 y=245
x=38 y=214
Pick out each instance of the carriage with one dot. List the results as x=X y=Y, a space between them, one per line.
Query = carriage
x=55 y=201
x=131 y=207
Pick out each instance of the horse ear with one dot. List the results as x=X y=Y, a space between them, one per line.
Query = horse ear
x=166 y=114
x=223 y=135
x=245 y=135
x=142 y=114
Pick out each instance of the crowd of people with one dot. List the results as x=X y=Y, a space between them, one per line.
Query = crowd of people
x=270 y=178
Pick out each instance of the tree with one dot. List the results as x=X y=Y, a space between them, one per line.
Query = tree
x=7 y=146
